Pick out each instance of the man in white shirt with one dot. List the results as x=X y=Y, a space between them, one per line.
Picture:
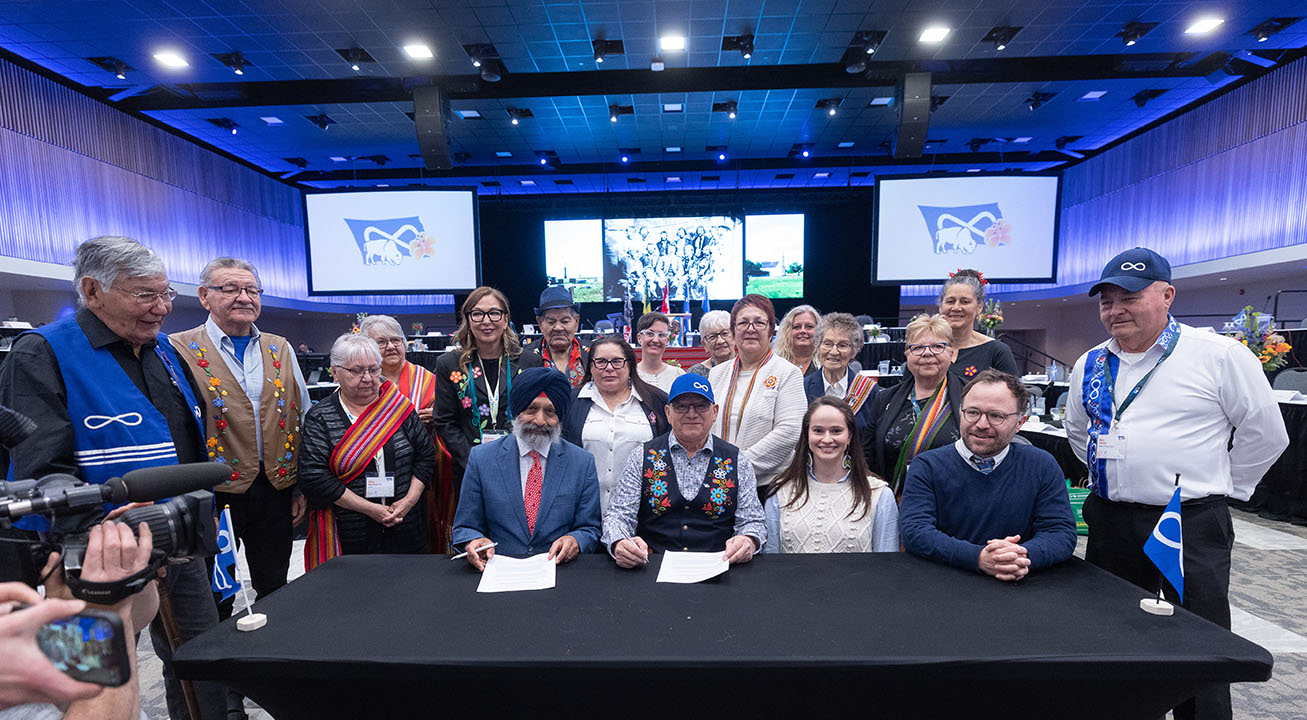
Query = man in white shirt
x=1156 y=405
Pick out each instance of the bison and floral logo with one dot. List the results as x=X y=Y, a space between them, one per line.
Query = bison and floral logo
x=962 y=229
x=391 y=241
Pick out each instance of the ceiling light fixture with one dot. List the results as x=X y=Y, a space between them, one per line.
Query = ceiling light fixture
x=355 y=56
x=605 y=48
x=1264 y=30
x=419 y=51
x=322 y=121
x=272 y=120
x=1037 y=99
x=934 y=34
x=730 y=107
x=1142 y=97
x=224 y=124
x=1204 y=25
x=612 y=113
x=171 y=59
x=235 y=61
x=516 y=114
x=1001 y=35
x=657 y=64
x=113 y=65
x=669 y=43
x=1133 y=32
x=743 y=44
x=830 y=105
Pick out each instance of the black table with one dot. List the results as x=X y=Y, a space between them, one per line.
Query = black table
x=1282 y=493
x=1060 y=448
x=794 y=635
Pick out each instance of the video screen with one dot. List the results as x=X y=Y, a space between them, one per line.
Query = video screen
x=1002 y=225
x=574 y=257
x=773 y=255
x=391 y=242
x=691 y=257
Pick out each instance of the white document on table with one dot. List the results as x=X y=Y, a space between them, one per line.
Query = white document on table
x=506 y=574
x=692 y=567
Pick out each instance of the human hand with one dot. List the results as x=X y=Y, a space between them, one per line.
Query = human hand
x=739 y=549
x=478 y=560
x=117 y=512
x=425 y=415
x=1004 y=559
x=395 y=512
x=26 y=675
x=630 y=552
x=564 y=549
x=299 y=507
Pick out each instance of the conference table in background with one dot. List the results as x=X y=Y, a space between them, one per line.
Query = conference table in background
x=784 y=635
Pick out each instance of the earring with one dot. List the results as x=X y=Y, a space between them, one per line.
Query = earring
x=848 y=460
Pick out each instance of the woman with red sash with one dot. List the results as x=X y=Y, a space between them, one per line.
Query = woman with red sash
x=365 y=460
x=920 y=413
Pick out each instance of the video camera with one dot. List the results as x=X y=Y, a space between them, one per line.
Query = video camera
x=182 y=527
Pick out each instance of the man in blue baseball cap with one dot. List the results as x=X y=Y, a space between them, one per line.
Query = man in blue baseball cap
x=1155 y=405
x=686 y=490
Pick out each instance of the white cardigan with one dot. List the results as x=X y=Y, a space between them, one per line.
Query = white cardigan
x=769 y=430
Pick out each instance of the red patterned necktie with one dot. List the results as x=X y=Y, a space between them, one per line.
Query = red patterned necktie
x=535 y=478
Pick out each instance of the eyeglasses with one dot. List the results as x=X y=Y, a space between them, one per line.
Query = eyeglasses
x=651 y=335
x=722 y=336
x=477 y=316
x=751 y=324
x=995 y=417
x=150 y=298
x=360 y=372
x=236 y=290
x=932 y=349
x=688 y=408
x=841 y=346
x=386 y=342
x=616 y=363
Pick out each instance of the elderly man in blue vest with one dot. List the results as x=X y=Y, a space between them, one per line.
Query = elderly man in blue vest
x=530 y=492
x=109 y=395
x=686 y=490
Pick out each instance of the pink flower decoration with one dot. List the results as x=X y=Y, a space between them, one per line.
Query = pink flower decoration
x=467 y=402
x=1000 y=233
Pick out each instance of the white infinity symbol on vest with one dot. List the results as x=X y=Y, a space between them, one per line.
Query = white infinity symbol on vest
x=939 y=224
x=95 y=422
x=1133 y=266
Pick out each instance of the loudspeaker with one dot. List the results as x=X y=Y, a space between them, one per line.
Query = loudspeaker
x=912 y=95
x=431 y=115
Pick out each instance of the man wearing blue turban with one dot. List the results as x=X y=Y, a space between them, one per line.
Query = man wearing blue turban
x=532 y=491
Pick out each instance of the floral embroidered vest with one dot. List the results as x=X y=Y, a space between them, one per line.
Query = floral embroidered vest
x=229 y=424
x=668 y=520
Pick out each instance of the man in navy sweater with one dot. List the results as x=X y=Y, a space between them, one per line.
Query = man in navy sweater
x=984 y=503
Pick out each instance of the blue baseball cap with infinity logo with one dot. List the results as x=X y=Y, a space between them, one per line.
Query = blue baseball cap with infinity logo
x=688 y=384
x=1134 y=270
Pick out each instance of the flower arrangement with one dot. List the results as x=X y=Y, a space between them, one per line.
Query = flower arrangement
x=991 y=316
x=416 y=327
x=357 y=323
x=875 y=330
x=1268 y=345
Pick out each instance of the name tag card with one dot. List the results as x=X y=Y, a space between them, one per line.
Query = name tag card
x=489 y=436
x=1111 y=445
x=379 y=486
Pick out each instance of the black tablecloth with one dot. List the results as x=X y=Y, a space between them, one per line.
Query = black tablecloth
x=873 y=352
x=1060 y=448
x=1282 y=494
x=803 y=636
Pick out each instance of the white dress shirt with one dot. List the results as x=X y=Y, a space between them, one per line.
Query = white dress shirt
x=249 y=370
x=839 y=389
x=611 y=436
x=1182 y=419
x=966 y=454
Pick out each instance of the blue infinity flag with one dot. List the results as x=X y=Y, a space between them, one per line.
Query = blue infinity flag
x=225 y=579
x=1165 y=548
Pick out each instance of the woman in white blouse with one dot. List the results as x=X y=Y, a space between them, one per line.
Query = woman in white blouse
x=760 y=395
x=827 y=500
x=614 y=411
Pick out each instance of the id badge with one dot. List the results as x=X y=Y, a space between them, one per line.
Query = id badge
x=489 y=436
x=1111 y=446
x=380 y=487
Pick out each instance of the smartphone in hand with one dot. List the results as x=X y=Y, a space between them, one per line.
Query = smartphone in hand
x=88 y=646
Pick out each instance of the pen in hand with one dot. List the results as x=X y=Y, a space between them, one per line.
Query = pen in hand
x=460 y=556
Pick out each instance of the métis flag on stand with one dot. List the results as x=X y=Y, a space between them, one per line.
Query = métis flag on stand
x=1165 y=547
x=225 y=577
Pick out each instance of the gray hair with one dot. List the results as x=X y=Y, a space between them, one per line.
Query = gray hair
x=968 y=277
x=351 y=345
x=840 y=322
x=933 y=324
x=227 y=263
x=108 y=257
x=714 y=320
x=381 y=322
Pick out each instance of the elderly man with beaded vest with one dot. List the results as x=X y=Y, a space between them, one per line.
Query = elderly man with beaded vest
x=686 y=490
x=255 y=397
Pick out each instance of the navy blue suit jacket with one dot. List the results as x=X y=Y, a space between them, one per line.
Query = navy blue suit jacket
x=490 y=504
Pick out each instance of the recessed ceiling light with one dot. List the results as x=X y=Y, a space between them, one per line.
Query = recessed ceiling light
x=272 y=120
x=934 y=34
x=673 y=148
x=845 y=144
x=337 y=158
x=673 y=178
x=465 y=114
x=673 y=107
x=418 y=51
x=1225 y=278
x=1022 y=140
x=168 y=58
x=973 y=169
x=672 y=42
x=503 y=154
x=1093 y=95
x=1204 y=25
x=527 y=183
x=881 y=101
x=820 y=175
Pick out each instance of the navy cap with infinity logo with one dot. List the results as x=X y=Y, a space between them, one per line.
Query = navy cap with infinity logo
x=691 y=383
x=1134 y=270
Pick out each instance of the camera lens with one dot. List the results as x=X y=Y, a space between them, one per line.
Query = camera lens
x=179 y=526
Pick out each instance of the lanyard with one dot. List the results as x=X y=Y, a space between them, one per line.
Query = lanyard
x=1130 y=398
x=507 y=377
x=730 y=394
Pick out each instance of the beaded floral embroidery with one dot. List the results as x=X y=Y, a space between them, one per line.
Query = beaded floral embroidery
x=719 y=496
x=656 y=487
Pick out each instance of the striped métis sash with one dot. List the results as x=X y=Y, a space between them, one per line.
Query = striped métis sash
x=418 y=384
x=859 y=390
x=360 y=444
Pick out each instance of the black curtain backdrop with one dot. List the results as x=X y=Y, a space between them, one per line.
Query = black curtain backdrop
x=837 y=246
